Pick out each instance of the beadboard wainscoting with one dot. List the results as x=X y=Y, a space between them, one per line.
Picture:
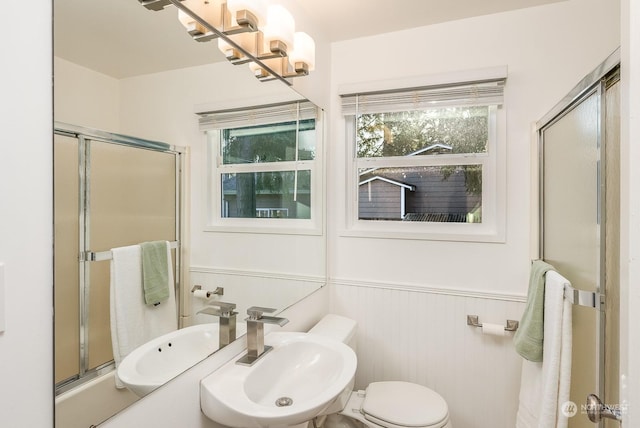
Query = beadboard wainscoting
x=250 y=288
x=419 y=334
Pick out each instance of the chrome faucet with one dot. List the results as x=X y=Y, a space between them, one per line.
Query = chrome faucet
x=255 y=333
x=227 y=326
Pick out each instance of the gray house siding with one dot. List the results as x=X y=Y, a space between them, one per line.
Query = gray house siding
x=379 y=199
x=435 y=194
x=435 y=197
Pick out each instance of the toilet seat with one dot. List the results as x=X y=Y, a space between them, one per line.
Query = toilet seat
x=402 y=404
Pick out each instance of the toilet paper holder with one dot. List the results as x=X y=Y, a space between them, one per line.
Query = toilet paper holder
x=218 y=291
x=473 y=320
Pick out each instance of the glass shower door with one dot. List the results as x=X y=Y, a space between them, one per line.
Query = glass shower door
x=571 y=231
x=106 y=194
x=131 y=198
x=580 y=230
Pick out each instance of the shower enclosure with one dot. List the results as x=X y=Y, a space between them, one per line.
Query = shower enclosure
x=109 y=191
x=580 y=227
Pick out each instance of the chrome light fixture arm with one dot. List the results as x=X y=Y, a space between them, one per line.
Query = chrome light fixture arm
x=272 y=63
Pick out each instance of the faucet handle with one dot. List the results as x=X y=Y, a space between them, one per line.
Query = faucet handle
x=255 y=312
x=219 y=309
x=224 y=306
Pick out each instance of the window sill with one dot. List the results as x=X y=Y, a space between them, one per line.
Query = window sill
x=455 y=232
x=266 y=226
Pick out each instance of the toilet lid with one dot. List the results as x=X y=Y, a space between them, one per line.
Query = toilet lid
x=393 y=404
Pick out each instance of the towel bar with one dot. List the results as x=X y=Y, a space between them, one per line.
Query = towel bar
x=589 y=299
x=91 y=256
x=473 y=321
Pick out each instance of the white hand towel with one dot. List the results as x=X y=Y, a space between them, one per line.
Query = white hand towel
x=545 y=386
x=556 y=364
x=530 y=385
x=132 y=321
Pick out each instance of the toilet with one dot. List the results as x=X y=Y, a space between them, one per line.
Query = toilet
x=390 y=404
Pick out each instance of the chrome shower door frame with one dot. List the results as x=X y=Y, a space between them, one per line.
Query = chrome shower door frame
x=85 y=136
x=594 y=84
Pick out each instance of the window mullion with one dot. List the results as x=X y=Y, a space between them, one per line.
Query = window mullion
x=400 y=161
x=266 y=167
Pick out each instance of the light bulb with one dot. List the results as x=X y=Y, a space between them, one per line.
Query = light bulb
x=304 y=50
x=280 y=26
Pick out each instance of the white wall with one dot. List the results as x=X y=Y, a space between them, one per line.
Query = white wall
x=547 y=50
x=246 y=290
x=26 y=358
x=630 y=212
x=85 y=97
x=423 y=338
x=411 y=297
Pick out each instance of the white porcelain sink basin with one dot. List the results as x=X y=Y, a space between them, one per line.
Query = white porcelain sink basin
x=163 y=358
x=297 y=380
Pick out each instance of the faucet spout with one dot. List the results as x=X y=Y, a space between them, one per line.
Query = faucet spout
x=274 y=320
x=227 y=325
x=255 y=333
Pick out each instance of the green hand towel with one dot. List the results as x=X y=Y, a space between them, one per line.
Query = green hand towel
x=155 y=273
x=530 y=334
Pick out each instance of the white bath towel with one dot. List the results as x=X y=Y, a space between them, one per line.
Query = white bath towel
x=132 y=321
x=545 y=386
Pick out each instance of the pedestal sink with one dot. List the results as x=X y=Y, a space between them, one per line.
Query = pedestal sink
x=163 y=358
x=297 y=380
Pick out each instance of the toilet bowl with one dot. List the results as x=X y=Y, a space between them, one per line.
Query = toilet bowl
x=390 y=404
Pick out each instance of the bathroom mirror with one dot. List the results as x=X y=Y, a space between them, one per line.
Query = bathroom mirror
x=128 y=71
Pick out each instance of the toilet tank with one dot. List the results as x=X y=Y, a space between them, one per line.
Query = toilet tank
x=337 y=327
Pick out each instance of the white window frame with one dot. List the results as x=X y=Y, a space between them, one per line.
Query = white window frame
x=493 y=161
x=215 y=168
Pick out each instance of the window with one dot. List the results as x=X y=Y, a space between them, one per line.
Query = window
x=425 y=162
x=264 y=168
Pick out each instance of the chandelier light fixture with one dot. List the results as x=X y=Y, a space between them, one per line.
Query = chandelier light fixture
x=249 y=32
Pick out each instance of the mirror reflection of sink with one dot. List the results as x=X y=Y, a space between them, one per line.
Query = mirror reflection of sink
x=163 y=358
x=296 y=381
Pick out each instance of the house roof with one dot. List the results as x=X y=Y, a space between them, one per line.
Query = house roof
x=439 y=146
x=387 y=180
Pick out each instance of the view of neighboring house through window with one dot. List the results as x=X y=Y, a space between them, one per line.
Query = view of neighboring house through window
x=423 y=155
x=280 y=187
x=447 y=189
x=263 y=161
